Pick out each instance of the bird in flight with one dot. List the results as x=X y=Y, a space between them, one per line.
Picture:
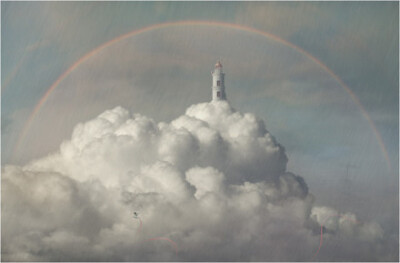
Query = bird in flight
x=135 y=214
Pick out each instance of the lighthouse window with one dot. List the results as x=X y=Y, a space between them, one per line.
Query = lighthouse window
x=218 y=83
x=218 y=94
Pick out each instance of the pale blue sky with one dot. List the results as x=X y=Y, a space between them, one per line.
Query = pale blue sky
x=304 y=108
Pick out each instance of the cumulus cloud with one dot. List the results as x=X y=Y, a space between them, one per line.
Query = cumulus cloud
x=213 y=181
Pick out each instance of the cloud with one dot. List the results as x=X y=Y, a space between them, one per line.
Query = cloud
x=214 y=181
x=346 y=223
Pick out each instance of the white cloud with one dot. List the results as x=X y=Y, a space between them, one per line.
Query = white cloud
x=205 y=180
x=214 y=181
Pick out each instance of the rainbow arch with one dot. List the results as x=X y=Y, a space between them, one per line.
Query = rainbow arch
x=43 y=100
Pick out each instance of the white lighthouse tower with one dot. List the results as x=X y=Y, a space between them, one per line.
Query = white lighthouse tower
x=218 y=86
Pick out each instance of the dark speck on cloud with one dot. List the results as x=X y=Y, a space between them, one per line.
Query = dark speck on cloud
x=213 y=180
x=255 y=178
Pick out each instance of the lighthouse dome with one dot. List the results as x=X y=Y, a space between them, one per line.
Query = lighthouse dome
x=218 y=65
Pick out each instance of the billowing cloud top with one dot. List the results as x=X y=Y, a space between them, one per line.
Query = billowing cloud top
x=211 y=185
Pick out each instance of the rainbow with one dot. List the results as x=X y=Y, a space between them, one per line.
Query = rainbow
x=109 y=43
x=322 y=229
x=174 y=245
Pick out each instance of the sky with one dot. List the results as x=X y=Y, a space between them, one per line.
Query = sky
x=342 y=138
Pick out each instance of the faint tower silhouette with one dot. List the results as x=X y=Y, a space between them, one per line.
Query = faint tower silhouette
x=218 y=85
x=347 y=188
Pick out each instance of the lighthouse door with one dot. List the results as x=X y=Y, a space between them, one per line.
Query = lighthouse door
x=218 y=94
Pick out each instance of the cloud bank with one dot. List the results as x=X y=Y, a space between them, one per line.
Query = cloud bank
x=213 y=181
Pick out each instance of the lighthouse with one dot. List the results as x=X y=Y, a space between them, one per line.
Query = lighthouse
x=218 y=86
